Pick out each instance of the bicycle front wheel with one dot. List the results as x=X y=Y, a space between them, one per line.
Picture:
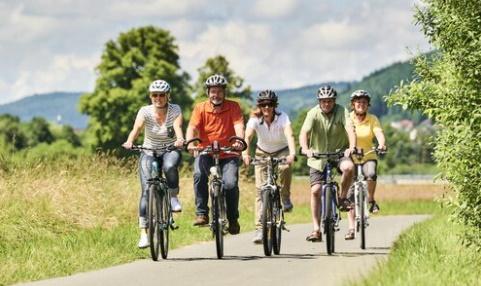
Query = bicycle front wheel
x=218 y=226
x=165 y=220
x=362 y=215
x=329 y=220
x=154 y=222
x=268 y=224
x=278 y=223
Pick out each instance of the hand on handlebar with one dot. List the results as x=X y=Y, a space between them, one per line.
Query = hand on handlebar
x=290 y=159
x=128 y=145
x=307 y=152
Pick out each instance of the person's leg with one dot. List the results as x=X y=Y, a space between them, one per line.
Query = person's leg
x=201 y=173
x=170 y=168
x=145 y=167
x=260 y=177
x=347 y=168
x=316 y=178
x=285 y=178
x=370 y=173
x=230 y=178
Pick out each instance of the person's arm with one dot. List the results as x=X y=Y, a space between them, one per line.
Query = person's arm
x=290 y=143
x=238 y=125
x=134 y=133
x=178 y=131
x=351 y=136
x=379 y=133
x=303 y=139
x=249 y=134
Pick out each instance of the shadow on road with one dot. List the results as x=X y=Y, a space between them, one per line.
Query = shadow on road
x=246 y=258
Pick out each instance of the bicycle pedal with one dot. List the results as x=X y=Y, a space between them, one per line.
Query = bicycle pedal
x=174 y=226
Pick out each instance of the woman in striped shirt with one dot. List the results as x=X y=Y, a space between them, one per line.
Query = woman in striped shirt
x=162 y=124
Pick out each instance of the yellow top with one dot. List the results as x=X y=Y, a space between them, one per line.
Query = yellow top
x=365 y=135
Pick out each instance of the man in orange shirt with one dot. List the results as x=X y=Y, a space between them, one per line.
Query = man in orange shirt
x=217 y=119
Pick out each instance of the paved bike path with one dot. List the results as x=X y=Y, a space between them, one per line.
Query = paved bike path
x=300 y=262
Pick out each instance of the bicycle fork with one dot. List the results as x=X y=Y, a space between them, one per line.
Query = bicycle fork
x=360 y=193
x=335 y=217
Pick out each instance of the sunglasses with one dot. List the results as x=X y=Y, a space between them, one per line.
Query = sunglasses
x=266 y=105
x=155 y=95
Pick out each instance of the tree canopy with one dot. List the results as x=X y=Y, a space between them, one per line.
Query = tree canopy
x=128 y=65
x=447 y=90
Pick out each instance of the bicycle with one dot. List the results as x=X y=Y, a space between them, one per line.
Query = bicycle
x=329 y=199
x=218 y=224
x=272 y=218
x=360 y=194
x=159 y=212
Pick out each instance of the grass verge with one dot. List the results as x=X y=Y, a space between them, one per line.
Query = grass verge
x=430 y=253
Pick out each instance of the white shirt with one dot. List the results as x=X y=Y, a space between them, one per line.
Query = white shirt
x=157 y=135
x=270 y=138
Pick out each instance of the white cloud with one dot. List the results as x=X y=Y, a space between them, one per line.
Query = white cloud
x=274 y=8
x=54 y=45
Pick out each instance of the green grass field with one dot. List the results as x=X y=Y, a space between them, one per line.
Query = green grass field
x=61 y=217
x=430 y=253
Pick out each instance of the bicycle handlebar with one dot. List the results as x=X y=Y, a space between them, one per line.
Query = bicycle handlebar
x=215 y=147
x=359 y=153
x=338 y=154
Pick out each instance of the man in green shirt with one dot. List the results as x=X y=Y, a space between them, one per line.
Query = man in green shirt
x=327 y=128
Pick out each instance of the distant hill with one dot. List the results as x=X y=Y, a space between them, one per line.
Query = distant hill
x=58 y=107
x=63 y=105
x=378 y=84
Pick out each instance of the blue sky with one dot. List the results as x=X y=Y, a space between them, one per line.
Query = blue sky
x=54 y=45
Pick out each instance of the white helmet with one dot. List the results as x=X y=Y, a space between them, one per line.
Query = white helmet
x=159 y=86
x=326 y=92
x=360 y=93
x=216 y=80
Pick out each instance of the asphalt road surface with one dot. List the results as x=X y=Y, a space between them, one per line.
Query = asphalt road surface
x=300 y=263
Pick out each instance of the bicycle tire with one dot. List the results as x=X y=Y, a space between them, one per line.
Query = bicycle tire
x=267 y=223
x=217 y=226
x=362 y=223
x=165 y=219
x=329 y=221
x=153 y=222
x=277 y=219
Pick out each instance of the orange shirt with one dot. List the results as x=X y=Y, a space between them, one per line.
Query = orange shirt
x=216 y=124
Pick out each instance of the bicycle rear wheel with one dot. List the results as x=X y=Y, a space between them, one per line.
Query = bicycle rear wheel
x=217 y=224
x=268 y=232
x=329 y=221
x=154 y=222
x=165 y=219
x=278 y=223
x=362 y=215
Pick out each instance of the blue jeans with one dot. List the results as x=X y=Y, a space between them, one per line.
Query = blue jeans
x=230 y=177
x=170 y=162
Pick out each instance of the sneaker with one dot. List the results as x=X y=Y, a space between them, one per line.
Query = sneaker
x=374 y=208
x=201 y=220
x=349 y=235
x=234 y=227
x=314 y=236
x=143 y=241
x=175 y=204
x=288 y=206
x=257 y=237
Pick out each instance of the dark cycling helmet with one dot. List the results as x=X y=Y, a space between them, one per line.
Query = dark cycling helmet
x=216 y=80
x=326 y=92
x=359 y=94
x=267 y=95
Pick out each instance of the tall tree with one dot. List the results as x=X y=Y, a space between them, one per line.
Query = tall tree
x=220 y=65
x=448 y=91
x=128 y=65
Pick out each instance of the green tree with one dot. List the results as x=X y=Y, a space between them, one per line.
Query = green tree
x=220 y=65
x=128 y=65
x=38 y=131
x=447 y=90
x=68 y=134
x=12 y=136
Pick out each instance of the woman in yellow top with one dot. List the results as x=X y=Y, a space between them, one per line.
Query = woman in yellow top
x=367 y=128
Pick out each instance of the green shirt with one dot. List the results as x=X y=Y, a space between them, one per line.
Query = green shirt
x=326 y=134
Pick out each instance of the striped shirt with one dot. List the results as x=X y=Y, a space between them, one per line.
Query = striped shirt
x=156 y=135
